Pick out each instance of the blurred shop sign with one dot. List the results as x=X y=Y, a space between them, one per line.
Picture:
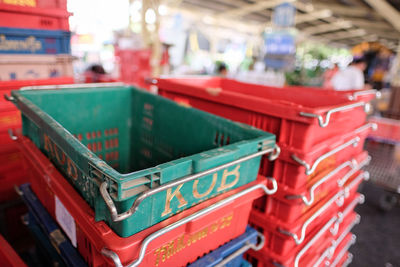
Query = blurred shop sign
x=284 y=15
x=280 y=43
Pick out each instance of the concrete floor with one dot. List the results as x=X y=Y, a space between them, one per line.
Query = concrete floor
x=378 y=234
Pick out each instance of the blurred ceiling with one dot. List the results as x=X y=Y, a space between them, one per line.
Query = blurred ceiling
x=343 y=22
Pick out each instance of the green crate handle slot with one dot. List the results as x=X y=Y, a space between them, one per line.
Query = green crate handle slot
x=115 y=258
x=120 y=217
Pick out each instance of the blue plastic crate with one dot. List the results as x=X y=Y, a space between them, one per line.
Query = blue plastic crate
x=28 y=41
x=217 y=256
x=46 y=251
x=39 y=216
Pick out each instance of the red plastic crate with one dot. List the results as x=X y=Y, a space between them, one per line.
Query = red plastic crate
x=282 y=237
x=134 y=66
x=30 y=5
x=10 y=119
x=7 y=86
x=317 y=247
x=98 y=243
x=8 y=256
x=388 y=130
x=288 y=205
x=34 y=18
x=295 y=168
x=299 y=117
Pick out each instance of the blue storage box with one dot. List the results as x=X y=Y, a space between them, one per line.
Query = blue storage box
x=39 y=218
x=28 y=41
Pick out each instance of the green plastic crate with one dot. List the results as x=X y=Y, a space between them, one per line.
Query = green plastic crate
x=118 y=144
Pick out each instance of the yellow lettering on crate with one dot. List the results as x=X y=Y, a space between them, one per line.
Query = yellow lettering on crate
x=31 y=3
x=170 y=196
x=196 y=193
x=173 y=247
x=225 y=175
x=48 y=145
x=71 y=169
x=62 y=159
x=30 y=43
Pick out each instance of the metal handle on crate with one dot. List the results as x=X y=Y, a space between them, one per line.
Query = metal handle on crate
x=11 y=134
x=344 y=179
x=365 y=92
x=325 y=123
x=328 y=253
x=308 y=201
x=122 y=216
x=298 y=240
x=348 y=261
x=242 y=250
x=115 y=258
x=9 y=98
x=71 y=86
x=313 y=240
x=310 y=170
x=343 y=252
x=337 y=197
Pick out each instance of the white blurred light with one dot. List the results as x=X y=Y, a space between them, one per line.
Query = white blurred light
x=150 y=16
x=162 y=10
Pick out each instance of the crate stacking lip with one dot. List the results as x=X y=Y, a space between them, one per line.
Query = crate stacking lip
x=300 y=117
x=288 y=205
x=30 y=41
x=174 y=242
x=282 y=237
x=159 y=157
x=321 y=246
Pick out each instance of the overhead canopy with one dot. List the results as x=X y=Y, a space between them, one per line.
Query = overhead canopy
x=345 y=22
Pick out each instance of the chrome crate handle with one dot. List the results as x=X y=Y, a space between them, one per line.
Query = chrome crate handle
x=328 y=253
x=9 y=98
x=313 y=240
x=365 y=92
x=122 y=216
x=243 y=249
x=309 y=170
x=325 y=123
x=308 y=201
x=339 y=197
x=362 y=164
x=12 y=135
x=72 y=86
x=348 y=261
x=343 y=252
x=353 y=142
x=115 y=258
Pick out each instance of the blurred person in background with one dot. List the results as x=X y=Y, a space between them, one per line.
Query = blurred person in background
x=328 y=76
x=222 y=69
x=350 y=78
x=96 y=74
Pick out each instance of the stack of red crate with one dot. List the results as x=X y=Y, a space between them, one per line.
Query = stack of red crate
x=11 y=168
x=23 y=16
x=321 y=135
